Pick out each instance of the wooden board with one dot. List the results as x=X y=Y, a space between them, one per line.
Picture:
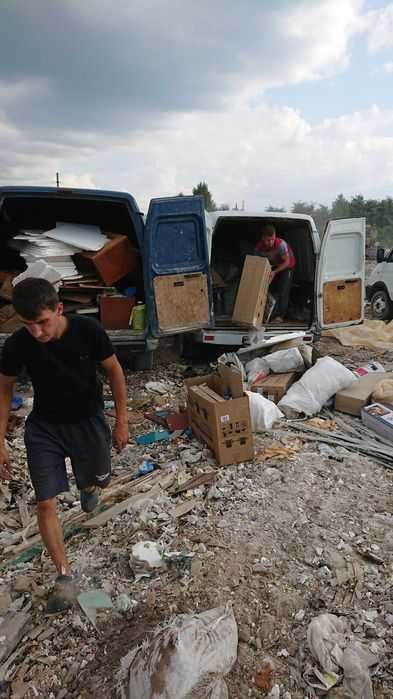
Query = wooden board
x=253 y=290
x=342 y=301
x=182 y=301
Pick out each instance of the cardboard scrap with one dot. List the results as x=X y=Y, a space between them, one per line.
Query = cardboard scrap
x=280 y=451
x=321 y=423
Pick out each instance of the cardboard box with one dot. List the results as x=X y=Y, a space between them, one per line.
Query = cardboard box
x=275 y=386
x=115 y=311
x=224 y=425
x=114 y=261
x=232 y=380
x=355 y=397
x=379 y=418
x=253 y=290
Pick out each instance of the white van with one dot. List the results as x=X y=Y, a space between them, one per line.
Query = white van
x=379 y=289
x=328 y=283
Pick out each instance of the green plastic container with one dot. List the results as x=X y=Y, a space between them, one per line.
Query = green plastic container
x=137 y=317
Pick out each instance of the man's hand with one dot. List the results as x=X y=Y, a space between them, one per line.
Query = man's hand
x=120 y=434
x=5 y=464
x=272 y=275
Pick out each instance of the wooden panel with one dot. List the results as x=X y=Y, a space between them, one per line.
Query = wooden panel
x=182 y=301
x=342 y=301
x=253 y=290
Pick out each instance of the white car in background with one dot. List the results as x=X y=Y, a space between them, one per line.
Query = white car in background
x=379 y=289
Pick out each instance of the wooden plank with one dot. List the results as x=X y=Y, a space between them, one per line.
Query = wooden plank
x=182 y=301
x=195 y=482
x=342 y=300
x=185 y=507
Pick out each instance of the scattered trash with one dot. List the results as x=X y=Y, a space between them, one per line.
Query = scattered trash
x=257 y=369
x=372 y=368
x=144 y=468
x=263 y=679
x=317 y=385
x=280 y=451
x=383 y=393
x=146 y=559
x=339 y=655
x=124 y=603
x=152 y=437
x=16 y=401
x=160 y=387
x=285 y=361
x=92 y=601
x=264 y=413
x=199 y=650
x=321 y=423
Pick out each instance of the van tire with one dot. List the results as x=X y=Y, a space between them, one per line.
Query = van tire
x=381 y=305
x=143 y=361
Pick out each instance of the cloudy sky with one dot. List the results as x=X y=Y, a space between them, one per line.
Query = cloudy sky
x=268 y=101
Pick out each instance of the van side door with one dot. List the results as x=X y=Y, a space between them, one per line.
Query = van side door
x=341 y=274
x=177 y=272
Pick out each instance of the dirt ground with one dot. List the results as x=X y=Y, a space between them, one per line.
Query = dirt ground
x=281 y=540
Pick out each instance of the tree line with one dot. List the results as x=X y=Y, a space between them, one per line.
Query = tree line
x=378 y=212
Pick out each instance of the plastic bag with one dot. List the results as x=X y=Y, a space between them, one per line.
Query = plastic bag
x=257 y=369
x=383 y=393
x=186 y=659
x=317 y=385
x=285 y=360
x=264 y=412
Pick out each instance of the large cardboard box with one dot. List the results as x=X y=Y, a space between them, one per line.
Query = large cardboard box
x=275 y=386
x=224 y=425
x=252 y=293
x=352 y=399
x=114 y=261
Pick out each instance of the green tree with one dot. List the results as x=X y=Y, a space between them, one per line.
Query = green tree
x=279 y=209
x=340 y=207
x=203 y=190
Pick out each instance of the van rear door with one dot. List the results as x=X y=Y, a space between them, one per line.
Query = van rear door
x=341 y=273
x=179 y=297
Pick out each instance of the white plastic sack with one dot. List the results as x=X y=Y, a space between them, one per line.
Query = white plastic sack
x=186 y=659
x=264 y=412
x=257 y=369
x=317 y=385
x=285 y=360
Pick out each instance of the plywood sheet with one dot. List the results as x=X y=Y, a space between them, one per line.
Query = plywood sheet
x=182 y=301
x=342 y=301
x=253 y=290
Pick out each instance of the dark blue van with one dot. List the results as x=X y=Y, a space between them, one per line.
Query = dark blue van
x=172 y=243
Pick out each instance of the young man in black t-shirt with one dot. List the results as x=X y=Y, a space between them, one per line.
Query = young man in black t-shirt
x=61 y=356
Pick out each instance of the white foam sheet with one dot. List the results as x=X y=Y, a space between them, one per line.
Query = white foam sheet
x=79 y=235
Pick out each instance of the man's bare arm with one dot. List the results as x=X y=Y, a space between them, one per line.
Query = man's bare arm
x=118 y=386
x=6 y=391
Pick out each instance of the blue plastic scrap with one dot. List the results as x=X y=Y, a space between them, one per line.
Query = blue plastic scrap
x=151 y=437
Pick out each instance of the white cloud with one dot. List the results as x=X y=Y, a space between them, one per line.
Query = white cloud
x=380 y=28
x=388 y=67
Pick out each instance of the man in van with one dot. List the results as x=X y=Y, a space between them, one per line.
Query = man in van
x=61 y=356
x=283 y=262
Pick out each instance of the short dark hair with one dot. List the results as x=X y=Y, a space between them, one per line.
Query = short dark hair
x=269 y=229
x=31 y=296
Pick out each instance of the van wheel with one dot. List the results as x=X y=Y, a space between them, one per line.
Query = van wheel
x=143 y=361
x=381 y=307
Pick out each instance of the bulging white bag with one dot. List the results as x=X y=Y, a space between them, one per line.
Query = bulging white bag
x=188 y=657
x=285 y=360
x=317 y=385
x=264 y=412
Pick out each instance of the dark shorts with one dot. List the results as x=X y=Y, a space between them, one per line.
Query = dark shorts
x=87 y=443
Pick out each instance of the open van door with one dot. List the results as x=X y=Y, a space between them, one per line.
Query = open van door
x=340 y=273
x=179 y=297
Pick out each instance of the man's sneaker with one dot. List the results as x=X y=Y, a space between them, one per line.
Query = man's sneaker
x=63 y=595
x=90 y=498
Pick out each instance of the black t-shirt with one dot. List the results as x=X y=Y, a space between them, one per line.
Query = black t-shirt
x=63 y=372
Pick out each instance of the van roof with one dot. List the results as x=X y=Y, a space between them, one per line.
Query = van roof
x=215 y=215
x=67 y=191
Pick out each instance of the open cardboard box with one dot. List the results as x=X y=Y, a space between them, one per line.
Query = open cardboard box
x=224 y=425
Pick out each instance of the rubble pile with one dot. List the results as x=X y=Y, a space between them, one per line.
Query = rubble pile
x=296 y=542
